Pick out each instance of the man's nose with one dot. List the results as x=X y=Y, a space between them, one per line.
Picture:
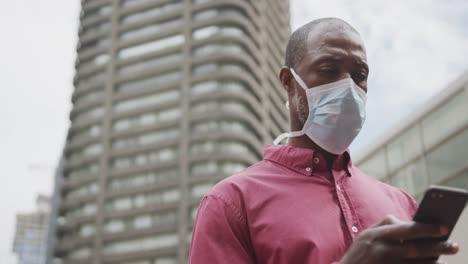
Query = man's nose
x=344 y=75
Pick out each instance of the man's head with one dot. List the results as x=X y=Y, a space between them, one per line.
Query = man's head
x=323 y=51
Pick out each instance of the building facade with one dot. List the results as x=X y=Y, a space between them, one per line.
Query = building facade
x=430 y=147
x=30 y=243
x=170 y=97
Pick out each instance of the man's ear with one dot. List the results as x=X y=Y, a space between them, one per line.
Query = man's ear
x=285 y=77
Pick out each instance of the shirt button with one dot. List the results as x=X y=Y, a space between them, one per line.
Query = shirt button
x=338 y=187
x=354 y=229
x=307 y=169
x=316 y=160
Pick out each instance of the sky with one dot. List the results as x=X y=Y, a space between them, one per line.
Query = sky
x=414 y=49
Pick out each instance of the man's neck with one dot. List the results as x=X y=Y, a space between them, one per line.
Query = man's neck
x=305 y=142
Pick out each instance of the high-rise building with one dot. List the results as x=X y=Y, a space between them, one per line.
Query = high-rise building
x=31 y=233
x=170 y=97
x=429 y=147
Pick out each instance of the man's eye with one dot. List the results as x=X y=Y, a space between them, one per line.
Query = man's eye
x=328 y=71
x=360 y=77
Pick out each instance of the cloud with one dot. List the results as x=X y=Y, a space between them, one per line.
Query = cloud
x=415 y=48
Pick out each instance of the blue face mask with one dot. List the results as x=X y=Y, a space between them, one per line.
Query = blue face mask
x=336 y=114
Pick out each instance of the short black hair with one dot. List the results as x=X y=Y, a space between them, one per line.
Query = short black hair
x=298 y=41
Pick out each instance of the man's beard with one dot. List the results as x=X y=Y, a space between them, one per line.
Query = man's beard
x=302 y=109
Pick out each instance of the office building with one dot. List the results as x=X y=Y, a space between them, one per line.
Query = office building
x=170 y=97
x=430 y=147
x=31 y=233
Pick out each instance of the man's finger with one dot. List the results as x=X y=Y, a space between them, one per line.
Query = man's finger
x=388 y=220
x=410 y=231
x=423 y=262
x=415 y=250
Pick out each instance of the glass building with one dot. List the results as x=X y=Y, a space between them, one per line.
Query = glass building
x=430 y=147
x=170 y=97
x=30 y=243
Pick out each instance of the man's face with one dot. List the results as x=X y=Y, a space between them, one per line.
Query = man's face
x=331 y=56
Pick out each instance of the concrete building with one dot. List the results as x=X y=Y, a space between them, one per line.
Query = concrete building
x=31 y=233
x=430 y=147
x=170 y=97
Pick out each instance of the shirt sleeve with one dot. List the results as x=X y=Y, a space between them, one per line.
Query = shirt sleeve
x=220 y=234
x=412 y=205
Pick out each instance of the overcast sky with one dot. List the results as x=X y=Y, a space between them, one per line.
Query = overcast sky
x=414 y=49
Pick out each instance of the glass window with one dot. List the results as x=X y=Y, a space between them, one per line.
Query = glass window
x=94 y=79
x=114 y=226
x=92 y=150
x=94 y=43
x=89 y=209
x=85 y=190
x=151 y=29
x=404 y=148
x=205 y=32
x=151 y=46
x=448 y=158
x=140 y=66
x=460 y=181
x=205 y=15
x=204 y=88
x=193 y=213
x=104 y=26
x=80 y=253
x=88 y=151
x=229 y=168
x=166 y=260
x=89 y=96
x=209 y=31
x=94 y=113
x=146 y=139
x=221 y=146
x=145 y=101
x=203 y=147
x=97 y=60
x=86 y=210
x=149 y=243
x=152 y=83
x=83 y=171
x=146 y=119
x=205 y=68
x=105 y=10
x=375 y=165
x=200 y=190
x=140 y=261
x=150 y=12
x=215 y=126
x=140 y=200
x=122 y=204
x=87 y=230
x=412 y=178
x=203 y=168
x=445 y=120
x=143 y=221
x=205 y=50
x=90 y=131
x=126 y=3
x=143 y=179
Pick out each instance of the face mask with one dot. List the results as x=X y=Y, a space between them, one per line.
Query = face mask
x=336 y=114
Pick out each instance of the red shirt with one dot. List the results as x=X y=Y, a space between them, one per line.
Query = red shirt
x=289 y=209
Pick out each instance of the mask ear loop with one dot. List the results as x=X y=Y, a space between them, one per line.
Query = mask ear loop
x=294 y=133
x=299 y=79
x=287 y=135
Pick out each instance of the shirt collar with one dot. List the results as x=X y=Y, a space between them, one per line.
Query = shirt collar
x=305 y=161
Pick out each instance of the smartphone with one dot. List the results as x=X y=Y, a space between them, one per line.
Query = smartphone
x=441 y=206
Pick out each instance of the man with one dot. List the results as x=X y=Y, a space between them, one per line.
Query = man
x=305 y=202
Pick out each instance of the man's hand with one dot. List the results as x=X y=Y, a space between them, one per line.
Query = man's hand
x=393 y=241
